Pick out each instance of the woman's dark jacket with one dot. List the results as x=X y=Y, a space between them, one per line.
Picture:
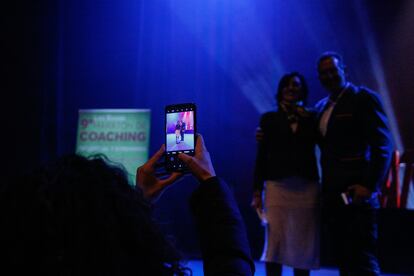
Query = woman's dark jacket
x=283 y=153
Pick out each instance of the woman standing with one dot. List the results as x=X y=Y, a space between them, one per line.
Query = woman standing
x=286 y=181
x=178 y=132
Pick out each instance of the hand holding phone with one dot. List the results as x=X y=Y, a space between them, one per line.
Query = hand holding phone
x=152 y=185
x=200 y=165
x=180 y=129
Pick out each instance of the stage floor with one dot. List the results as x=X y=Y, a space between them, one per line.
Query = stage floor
x=182 y=145
x=197 y=268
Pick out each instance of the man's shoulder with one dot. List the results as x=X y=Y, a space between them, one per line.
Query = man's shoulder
x=365 y=94
x=364 y=99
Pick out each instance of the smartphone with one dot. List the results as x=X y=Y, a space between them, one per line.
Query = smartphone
x=180 y=130
x=346 y=198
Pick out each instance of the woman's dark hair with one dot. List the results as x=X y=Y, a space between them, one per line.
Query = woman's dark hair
x=80 y=216
x=284 y=81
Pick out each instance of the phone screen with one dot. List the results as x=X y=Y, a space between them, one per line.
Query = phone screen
x=180 y=129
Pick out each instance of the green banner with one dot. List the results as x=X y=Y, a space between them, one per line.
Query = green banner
x=122 y=135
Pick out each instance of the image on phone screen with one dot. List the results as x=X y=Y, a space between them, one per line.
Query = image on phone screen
x=180 y=130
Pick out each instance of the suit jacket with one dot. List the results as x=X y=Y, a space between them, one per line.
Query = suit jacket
x=283 y=153
x=357 y=146
x=222 y=233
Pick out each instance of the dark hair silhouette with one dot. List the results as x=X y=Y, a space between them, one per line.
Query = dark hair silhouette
x=284 y=81
x=80 y=216
x=331 y=54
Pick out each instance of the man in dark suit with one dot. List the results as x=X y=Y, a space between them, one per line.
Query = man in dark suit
x=182 y=130
x=356 y=147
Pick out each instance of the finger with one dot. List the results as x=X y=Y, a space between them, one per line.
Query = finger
x=200 y=145
x=144 y=170
x=153 y=160
x=187 y=159
x=159 y=165
x=171 y=179
x=254 y=205
x=161 y=174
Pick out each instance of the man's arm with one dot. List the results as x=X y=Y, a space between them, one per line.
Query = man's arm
x=378 y=137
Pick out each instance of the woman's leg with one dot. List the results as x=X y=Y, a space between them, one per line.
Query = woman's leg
x=273 y=269
x=301 y=272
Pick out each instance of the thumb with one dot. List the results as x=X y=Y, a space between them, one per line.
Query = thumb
x=171 y=179
x=190 y=161
x=187 y=159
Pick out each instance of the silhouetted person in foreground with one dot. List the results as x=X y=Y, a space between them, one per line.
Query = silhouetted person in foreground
x=356 y=147
x=80 y=216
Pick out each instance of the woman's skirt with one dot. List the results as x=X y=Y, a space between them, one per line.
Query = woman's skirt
x=291 y=209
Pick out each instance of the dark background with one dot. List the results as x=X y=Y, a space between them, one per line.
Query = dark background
x=225 y=56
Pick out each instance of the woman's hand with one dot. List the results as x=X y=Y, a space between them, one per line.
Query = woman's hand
x=359 y=193
x=200 y=165
x=257 y=201
x=148 y=180
x=259 y=134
